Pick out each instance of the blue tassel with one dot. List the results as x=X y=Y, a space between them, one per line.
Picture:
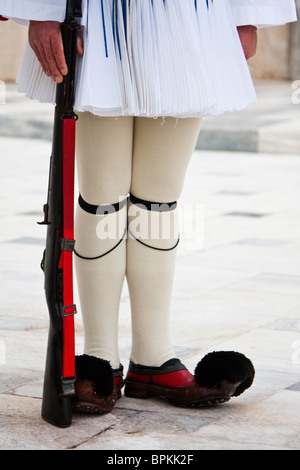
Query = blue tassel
x=115 y=21
x=104 y=28
x=124 y=8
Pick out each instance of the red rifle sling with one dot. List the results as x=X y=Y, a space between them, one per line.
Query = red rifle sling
x=67 y=254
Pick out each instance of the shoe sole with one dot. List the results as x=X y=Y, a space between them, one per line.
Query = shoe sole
x=88 y=408
x=137 y=390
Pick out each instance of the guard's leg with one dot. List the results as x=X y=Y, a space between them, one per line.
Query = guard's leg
x=100 y=257
x=104 y=155
x=161 y=155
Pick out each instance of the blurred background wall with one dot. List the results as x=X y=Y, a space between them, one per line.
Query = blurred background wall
x=13 y=38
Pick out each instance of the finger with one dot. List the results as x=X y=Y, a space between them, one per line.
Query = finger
x=40 y=54
x=52 y=65
x=58 y=54
x=79 y=46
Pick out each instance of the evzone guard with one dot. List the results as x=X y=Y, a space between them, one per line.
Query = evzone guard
x=135 y=78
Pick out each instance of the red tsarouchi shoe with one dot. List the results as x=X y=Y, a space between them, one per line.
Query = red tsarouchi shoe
x=218 y=377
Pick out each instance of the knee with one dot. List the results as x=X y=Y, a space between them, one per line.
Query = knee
x=152 y=223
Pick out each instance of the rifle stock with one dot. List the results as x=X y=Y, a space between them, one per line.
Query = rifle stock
x=59 y=376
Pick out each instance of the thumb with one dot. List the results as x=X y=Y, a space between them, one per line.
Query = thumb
x=80 y=46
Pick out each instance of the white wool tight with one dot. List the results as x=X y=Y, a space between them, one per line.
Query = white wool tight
x=145 y=159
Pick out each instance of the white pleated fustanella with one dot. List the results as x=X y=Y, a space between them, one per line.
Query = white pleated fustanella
x=180 y=58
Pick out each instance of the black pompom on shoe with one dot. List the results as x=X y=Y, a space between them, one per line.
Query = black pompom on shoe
x=97 y=370
x=231 y=366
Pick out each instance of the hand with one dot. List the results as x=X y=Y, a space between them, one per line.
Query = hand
x=46 y=41
x=248 y=37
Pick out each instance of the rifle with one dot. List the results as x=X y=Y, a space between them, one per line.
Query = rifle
x=57 y=262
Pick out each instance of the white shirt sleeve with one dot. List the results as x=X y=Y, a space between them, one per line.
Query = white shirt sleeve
x=262 y=13
x=39 y=10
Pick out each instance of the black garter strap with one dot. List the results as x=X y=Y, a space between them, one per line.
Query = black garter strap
x=103 y=209
x=153 y=206
x=157 y=207
x=154 y=247
x=112 y=208
x=104 y=254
